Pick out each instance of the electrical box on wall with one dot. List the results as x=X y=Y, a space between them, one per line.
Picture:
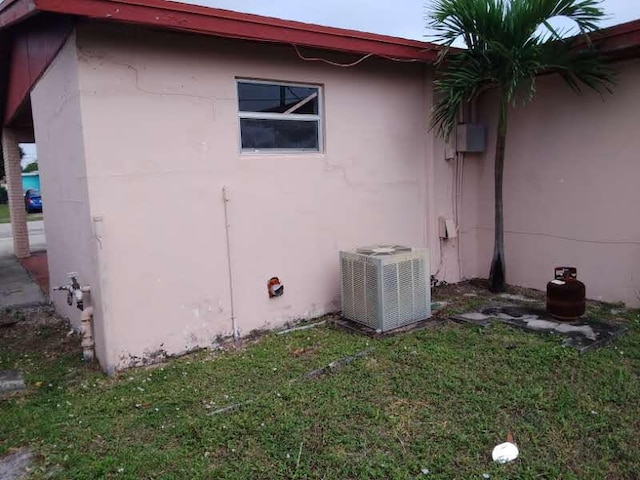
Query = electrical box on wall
x=471 y=138
x=447 y=228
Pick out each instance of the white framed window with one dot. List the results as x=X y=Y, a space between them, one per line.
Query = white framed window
x=278 y=117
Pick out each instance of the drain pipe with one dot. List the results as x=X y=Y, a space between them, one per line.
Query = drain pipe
x=227 y=226
x=86 y=322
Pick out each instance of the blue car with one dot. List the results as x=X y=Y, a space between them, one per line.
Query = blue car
x=32 y=201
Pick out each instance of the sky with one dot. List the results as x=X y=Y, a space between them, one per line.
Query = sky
x=400 y=18
x=30 y=154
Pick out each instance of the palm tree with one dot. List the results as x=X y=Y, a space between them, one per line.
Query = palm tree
x=508 y=44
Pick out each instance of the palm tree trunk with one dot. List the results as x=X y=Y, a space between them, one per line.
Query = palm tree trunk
x=497 y=279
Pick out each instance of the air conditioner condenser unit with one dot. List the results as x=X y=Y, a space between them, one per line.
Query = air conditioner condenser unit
x=385 y=287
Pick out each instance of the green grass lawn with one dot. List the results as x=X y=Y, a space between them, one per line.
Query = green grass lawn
x=6 y=218
x=439 y=399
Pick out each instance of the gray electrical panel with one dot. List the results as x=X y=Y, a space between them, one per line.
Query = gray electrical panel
x=471 y=138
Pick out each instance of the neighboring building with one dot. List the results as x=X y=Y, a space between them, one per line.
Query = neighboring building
x=31 y=181
x=189 y=154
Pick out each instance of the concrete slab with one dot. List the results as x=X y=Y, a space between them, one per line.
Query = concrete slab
x=15 y=465
x=11 y=381
x=17 y=289
x=536 y=324
x=475 y=318
x=515 y=298
x=583 y=334
x=585 y=330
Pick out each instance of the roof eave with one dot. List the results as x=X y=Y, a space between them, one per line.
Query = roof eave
x=15 y=11
x=619 y=41
x=223 y=23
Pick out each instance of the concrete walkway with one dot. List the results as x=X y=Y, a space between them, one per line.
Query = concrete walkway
x=17 y=289
x=37 y=240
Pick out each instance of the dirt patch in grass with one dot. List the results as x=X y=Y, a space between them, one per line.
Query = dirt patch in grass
x=38 y=326
x=464 y=296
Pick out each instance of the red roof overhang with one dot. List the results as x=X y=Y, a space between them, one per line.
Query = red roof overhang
x=24 y=21
x=617 y=42
x=14 y=11
x=211 y=21
x=26 y=57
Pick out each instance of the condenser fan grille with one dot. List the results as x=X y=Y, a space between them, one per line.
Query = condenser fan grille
x=381 y=250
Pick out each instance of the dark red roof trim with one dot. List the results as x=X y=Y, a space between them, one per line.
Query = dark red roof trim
x=224 y=23
x=14 y=11
x=619 y=41
x=32 y=52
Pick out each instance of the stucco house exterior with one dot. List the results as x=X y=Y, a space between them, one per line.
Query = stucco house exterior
x=189 y=154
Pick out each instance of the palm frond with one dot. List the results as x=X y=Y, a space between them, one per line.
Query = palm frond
x=470 y=20
x=583 y=68
x=533 y=14
x=506 y=49
x=465 y=77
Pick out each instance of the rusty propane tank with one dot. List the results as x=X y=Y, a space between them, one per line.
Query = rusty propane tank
x=566 y=294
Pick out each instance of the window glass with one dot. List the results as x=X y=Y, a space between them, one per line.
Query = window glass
x=279 y=117
x=259 y=134
x=269 y=98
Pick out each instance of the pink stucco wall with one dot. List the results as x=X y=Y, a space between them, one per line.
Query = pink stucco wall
x=160 y=139
x=138 y=133
x=61 y=158
x=571 y=190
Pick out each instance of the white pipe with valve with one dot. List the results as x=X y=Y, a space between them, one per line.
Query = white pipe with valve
x=77 y=293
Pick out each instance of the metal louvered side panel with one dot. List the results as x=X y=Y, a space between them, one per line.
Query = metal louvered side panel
x=390 y=297
x=347 y=287
x=421 y=294
x=360 y=289
x=373 y=307
x=405 y=293
x=359 y=292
